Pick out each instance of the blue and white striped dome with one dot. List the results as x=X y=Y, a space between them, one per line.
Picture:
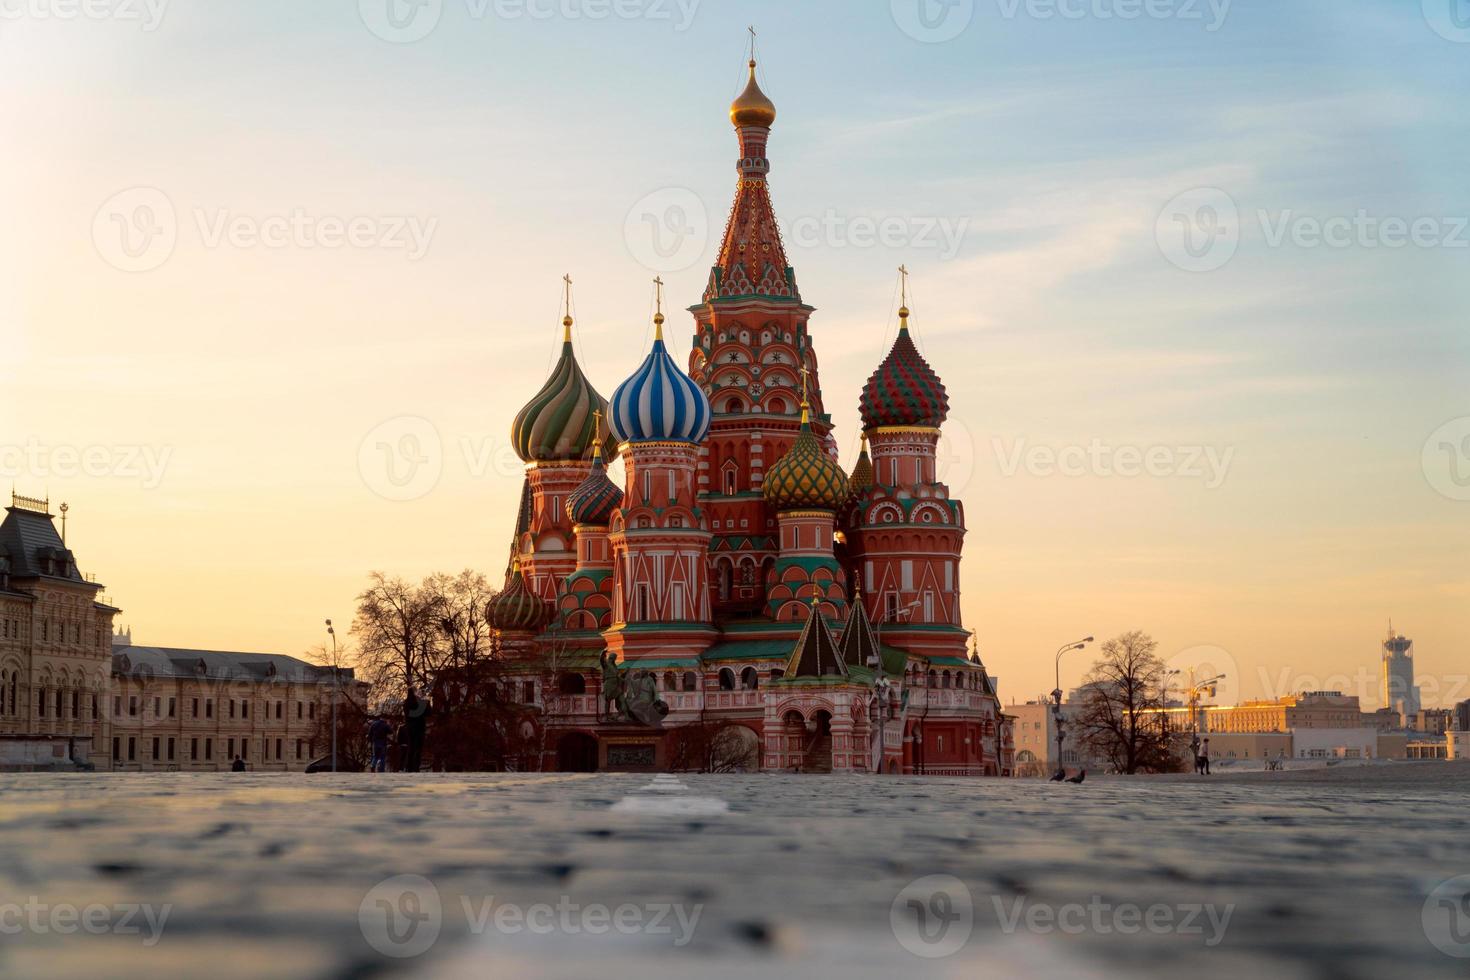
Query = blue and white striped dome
x=659 y=403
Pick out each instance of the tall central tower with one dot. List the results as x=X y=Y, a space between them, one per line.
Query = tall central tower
x=750 y=348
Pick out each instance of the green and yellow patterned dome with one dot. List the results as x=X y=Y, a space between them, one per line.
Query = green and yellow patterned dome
x=807 y=477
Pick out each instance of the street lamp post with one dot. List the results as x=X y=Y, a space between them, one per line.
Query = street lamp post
x=335 y=681
x=1056 y=696
x=1195 y=689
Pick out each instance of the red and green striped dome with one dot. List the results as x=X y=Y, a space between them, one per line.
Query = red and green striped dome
x=596 y=497
x=904 y=390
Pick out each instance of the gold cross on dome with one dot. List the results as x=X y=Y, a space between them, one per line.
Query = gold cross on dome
x=804 y=373
x=903 y=281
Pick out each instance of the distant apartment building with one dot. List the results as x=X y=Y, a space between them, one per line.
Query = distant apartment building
x=202 y=709
x=69 y=697
x=1309 y=725
x=1036 y=739
x=55 y=645
x=1308 y=710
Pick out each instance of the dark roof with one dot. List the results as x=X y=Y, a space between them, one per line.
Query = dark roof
x=859 y=645
x=524 y=512
x=28 y=540
x=219 y=665
x=816 y=653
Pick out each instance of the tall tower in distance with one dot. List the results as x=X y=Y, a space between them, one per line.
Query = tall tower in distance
x=1399 y=692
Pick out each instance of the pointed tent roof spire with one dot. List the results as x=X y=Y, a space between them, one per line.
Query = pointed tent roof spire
x=859 y=644
x=752 y=260
x=816 y=653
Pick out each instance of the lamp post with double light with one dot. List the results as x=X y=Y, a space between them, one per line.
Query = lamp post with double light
x=1056 y=696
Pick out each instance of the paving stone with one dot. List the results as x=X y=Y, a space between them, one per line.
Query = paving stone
x=1322 y=874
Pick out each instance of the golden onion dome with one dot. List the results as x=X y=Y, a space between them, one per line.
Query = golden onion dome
x=807 y=477
x=751 y=107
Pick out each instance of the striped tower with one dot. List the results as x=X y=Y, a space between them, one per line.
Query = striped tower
x=659 y=540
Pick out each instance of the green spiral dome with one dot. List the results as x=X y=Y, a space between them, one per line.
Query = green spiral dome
x=557 y=424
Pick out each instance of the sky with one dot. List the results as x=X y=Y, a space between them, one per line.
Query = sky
x=275 y=277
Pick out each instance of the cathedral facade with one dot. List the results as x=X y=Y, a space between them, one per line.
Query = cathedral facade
x=741 y=582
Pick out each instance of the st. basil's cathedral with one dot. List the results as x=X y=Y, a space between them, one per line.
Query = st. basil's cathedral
x=741 y=577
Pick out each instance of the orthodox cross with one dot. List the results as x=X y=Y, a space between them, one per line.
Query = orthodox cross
x=566 y=320
x=903 y=285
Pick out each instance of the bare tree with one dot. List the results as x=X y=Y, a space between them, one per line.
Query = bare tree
x=713 y=746
x=465 y=637
x=1119 y=716
x=396 y=629
x=353 y=712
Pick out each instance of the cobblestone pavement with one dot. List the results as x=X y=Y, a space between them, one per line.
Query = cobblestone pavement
x=224 y=876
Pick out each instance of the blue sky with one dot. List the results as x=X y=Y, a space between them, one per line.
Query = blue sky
x=1050 y=147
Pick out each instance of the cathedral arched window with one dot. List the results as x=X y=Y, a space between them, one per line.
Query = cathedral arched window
x=691 y=682
x=749 y=679
x=570 y=683
x=727 y=679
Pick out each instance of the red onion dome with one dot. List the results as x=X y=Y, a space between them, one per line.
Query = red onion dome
x=596 y=497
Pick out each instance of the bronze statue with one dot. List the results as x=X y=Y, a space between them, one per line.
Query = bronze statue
x=633 y=693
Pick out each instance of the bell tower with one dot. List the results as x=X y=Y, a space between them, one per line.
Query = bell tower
x=751 y=347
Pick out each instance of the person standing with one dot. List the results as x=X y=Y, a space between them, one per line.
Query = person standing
x=1204 y=758
x=416 y=720
x=379 y=732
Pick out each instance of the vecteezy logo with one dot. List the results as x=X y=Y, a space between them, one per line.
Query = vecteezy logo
x=400 y=21
x=932 y=21
x=402 y=458
x=666 y=230
x=933 y=916
x=1446 y=459
x=1446 y=917
x=136 y=230
x=1199 y=230
x=1450 y=19
x=401 y=916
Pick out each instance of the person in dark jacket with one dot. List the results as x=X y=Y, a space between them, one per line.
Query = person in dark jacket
x=416 y=721
x=238 y=765
x=379 y=732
